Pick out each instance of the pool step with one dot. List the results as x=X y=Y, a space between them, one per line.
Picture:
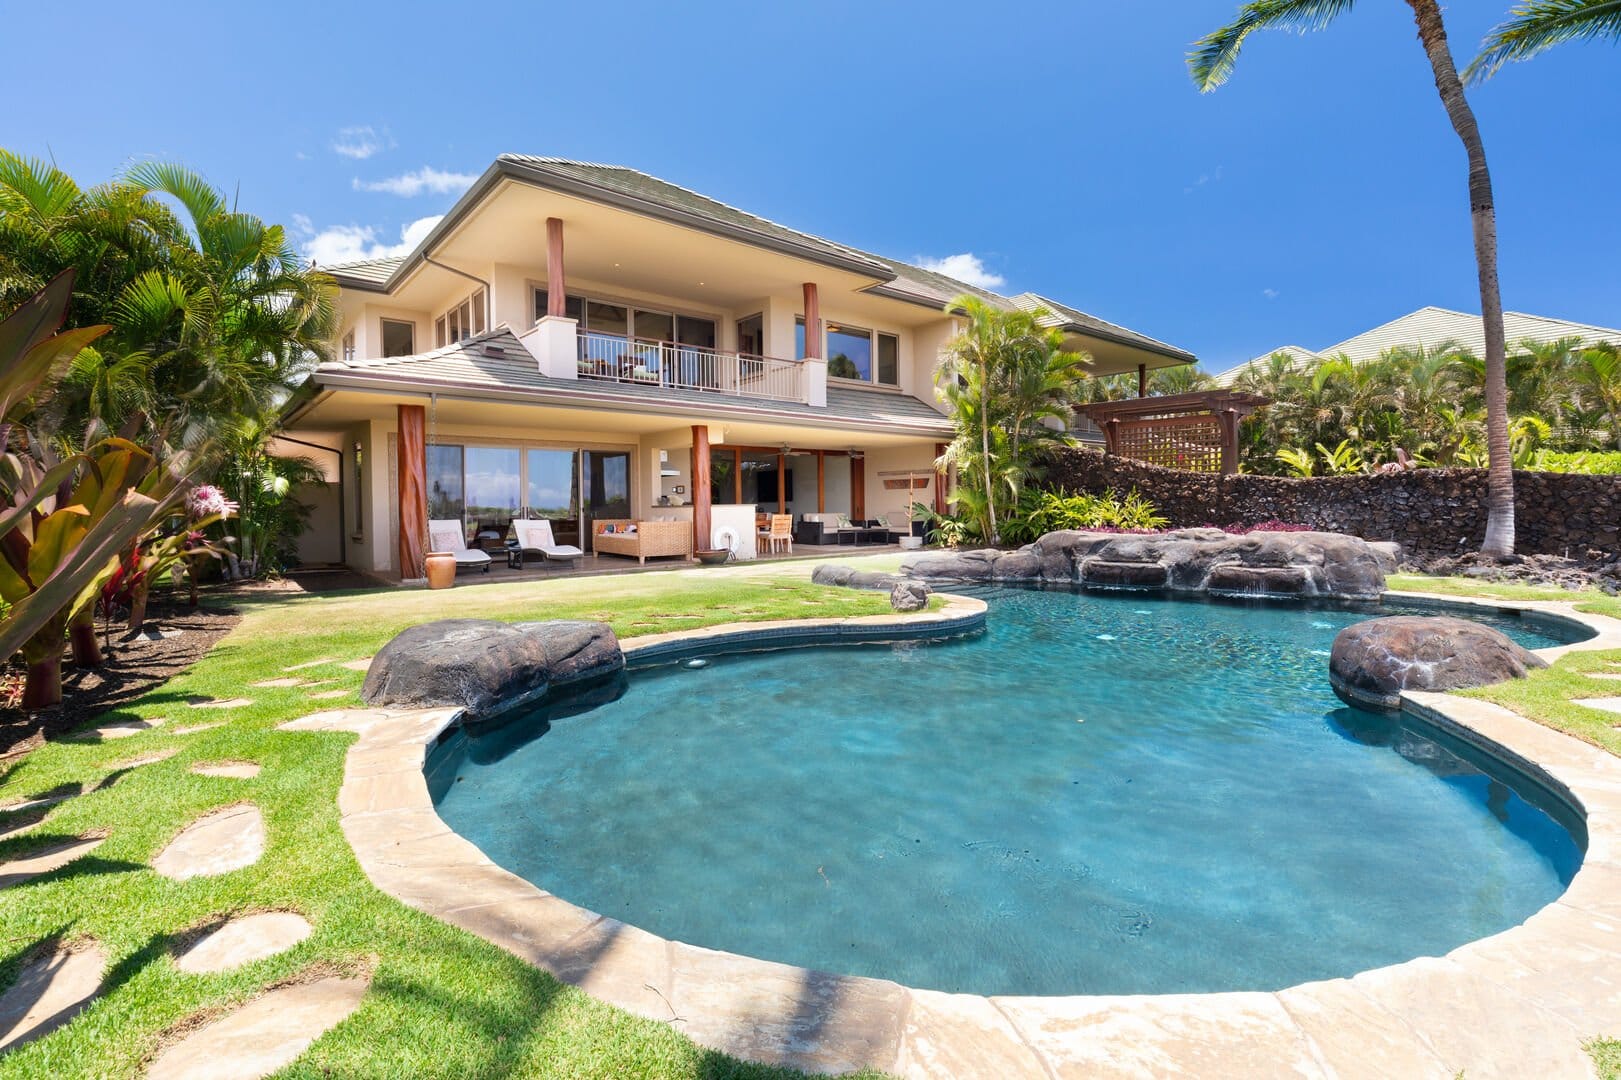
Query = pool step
x=1124 y=575
x=1235 y=580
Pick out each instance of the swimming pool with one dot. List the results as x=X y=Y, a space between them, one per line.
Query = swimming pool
x=1100 y=794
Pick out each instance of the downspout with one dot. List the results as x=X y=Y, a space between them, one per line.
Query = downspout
x=489 y=298
x=343 y=531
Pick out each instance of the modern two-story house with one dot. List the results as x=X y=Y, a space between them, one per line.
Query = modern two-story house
x=579 y=341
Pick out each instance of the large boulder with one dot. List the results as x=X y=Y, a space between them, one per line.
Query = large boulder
x=486 y=666
x=909 y=596
x=1182 y=561
x=851 y=578
x=1373 y=662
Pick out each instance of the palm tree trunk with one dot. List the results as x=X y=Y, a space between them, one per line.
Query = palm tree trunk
x=985 y=453
x=1483 y=211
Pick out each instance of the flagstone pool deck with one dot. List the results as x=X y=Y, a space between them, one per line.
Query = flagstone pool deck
x=1519 y=1003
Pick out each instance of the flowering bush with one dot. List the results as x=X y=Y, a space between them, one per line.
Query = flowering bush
x=208 y=501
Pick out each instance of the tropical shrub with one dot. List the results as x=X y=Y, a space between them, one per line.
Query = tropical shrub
x=1594 y=462
x=1049 y=511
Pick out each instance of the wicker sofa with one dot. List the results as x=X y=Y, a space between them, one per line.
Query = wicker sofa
x=642 y=540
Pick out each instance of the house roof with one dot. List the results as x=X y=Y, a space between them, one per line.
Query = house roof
x=643 y=193
x=496 y=362
x=1431 y=326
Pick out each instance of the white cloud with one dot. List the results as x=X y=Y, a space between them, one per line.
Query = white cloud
x=427 y=179
x=1270 y=294
x=1206 y=178
x=966 y=267
x=352 y=243
x=362 y=142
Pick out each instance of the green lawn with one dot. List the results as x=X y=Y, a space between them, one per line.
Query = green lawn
x=442 y=1003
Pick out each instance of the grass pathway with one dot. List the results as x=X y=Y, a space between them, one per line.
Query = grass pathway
x=441 y=1002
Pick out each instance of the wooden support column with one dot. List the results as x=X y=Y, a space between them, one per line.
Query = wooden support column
x=702 y=490
x=939 y=480
x=1229 y=442
x=813 y=322
x=412 y=452
x=782 y=483
x=556 y=282
x=821 y=482
x=858 y=488
x=1142 y=380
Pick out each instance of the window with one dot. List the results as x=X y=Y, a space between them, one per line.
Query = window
x=349 y=347
x=849 y=353
x=608 y=319
x=889 y=359
x=799 y=337
x=573 y=306
x=444 y=478
x=462 y=321
x=399 y=338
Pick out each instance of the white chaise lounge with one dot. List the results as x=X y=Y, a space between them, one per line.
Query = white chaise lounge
x=447 y=535
x=535 y=538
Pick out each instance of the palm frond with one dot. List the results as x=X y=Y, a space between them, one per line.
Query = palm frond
x=1214 y=55
x=1541 y=24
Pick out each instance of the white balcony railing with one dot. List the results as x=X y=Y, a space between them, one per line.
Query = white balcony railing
x=687 y=367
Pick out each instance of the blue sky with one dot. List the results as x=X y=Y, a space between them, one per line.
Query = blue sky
x=1061 y=147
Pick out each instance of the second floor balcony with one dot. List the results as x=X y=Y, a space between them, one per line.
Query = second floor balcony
x=677 y=366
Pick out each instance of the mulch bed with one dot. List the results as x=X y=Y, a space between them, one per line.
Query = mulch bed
x=135 y=664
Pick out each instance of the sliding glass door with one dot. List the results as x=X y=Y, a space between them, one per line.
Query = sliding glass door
x=553 y=491
x=605 y=477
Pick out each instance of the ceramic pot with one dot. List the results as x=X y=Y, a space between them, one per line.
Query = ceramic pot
x=441 y=569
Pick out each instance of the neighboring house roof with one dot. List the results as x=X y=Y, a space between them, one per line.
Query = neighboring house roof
x=640 y=192
x=1431 y=326
x=497 y=363
x=1067 y=318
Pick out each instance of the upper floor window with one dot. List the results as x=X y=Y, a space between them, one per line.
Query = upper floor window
x=609 y=319
x=573 y=306
x=348 y=347
x=863 y=355
x=461 y=322
x=399 y=338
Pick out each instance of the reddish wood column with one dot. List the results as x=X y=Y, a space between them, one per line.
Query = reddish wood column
x=702 y=491
x=556 y=283
x=413 y=490
x=1142 y=380
x=939 y=480
x=858 y=488
x=813 y=322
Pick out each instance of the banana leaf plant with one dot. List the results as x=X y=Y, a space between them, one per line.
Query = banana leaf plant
x=62 y=523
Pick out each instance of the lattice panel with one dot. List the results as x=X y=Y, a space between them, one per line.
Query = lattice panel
x=1191 y=443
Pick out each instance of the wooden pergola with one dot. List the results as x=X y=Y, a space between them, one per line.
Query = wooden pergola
x=1196 y=432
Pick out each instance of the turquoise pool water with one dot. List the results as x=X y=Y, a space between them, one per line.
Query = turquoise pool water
x=1100 y=794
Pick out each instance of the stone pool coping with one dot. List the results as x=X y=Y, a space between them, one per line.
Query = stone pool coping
x=1518 y=1003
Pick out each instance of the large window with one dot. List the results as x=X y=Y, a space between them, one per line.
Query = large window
x=462 y=321
x=445 y=502
x=493 y=484
x=485 y=487
x=610 y=319
x=851 y=353
x=399 y=338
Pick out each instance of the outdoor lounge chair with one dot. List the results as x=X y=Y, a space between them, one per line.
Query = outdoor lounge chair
x=447 y=535
x=534 y=537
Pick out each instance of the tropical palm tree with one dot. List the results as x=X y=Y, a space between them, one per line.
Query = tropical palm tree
x=1211 y=63
x=1537 y=25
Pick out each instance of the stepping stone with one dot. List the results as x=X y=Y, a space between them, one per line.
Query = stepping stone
x=363 y=664
x=231 y=770
x=149 y=759
x=1608 y=704
x=39 y=801
x=20 y=824
x=244 y=940
x=156 y=634
x=45 y=860
x=1604 y=674
x=262 y=1036
x=122 y=730
x=312 y=663
x=48 y=993
x=195 y=728
x=219 y=703
x=327 y=695
x=277 y=683
x=216 y=843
